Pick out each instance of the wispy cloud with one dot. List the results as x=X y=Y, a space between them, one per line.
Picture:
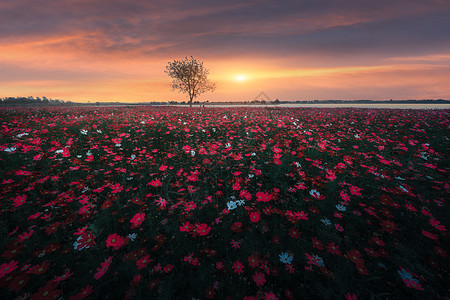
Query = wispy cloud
x=76 y=40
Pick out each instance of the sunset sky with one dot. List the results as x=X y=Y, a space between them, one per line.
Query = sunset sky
x=111 y=50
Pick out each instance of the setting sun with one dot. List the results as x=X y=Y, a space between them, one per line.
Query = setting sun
x=240 y=78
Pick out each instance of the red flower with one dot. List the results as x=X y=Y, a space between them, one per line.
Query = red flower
x=168 y=268
x=143 y=262
x=104 y=266
x=332 y=248
x=263 y=197
x=238 y=267
x=210 y=292
x=436 y=224
x=317 y=243
x=377 y=241
x=186 y=227
x=19 y=200
x=83 y=293
x=429 y=235
x=155 y=183
x=254 y=217
x=270 y=296
x=294 y=233
x=114 y=240
x=203 y=229
x=253 y=260
x=440 y=251
x=48 y=291
x=236 y=227
x=137 y=220
x=349 y=296
x=7 y=268
x=389 y=226
x=39 y=269
x=355 y=191
x=354 y=255
x=115 y=188
x=288 y=294
x=18 y=282
x=259 y=279
x=86 y=240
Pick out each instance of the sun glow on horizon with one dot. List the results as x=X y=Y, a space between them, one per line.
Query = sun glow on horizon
x=240 y=78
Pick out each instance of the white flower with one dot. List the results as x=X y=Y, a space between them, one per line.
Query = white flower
x=319 y=261
x=341 y=207
x=89 y=153
x=22 y=134
x=12 y=149
x=325 y=221
x=286 y=258
x=85 y=189
x=251 y=175
x=75 y=244
x=132 y=157
x=192 y=152
x=404 y=274
x=132 y=236
x=84 y=131
x=79 y=156
x=402 y=188
x=59 y=151
x=118 y=145
x=240 y=202
x=231 y=205
x=227 y=145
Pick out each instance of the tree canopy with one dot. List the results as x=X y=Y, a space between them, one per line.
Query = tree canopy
x=189 y=76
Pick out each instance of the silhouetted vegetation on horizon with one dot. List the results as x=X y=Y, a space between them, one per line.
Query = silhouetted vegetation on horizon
x=44 y=101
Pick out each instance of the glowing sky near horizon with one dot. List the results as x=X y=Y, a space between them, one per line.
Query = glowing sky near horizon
x=111 y=50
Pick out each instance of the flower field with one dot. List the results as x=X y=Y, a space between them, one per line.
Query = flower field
x=246 y=203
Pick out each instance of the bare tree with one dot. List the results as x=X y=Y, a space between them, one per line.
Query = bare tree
x=189 y=76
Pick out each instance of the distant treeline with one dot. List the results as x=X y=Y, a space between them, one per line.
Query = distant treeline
x=31 y=101
x=44 y=101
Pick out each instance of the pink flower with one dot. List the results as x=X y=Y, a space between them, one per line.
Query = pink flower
x=155 y=183
x=7 y=268
x=143 y=262
x=259 y=279
x=115 y=188
x=115 y=241
x=263 y=197
x=429 y=235
x=436 y=224
x=349 y=296
x=355 y=191
x=238 y=267
x=254 y=217
x=19 y=200
x=104 y=266
x=203 y=229
x=137 y=220
x=186 y=227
